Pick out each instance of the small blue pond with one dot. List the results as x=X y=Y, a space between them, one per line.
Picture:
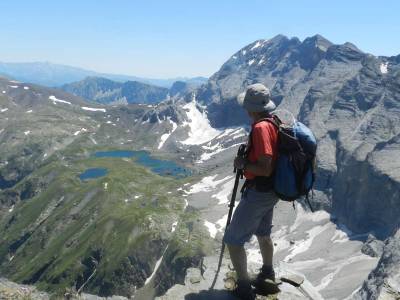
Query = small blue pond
x=161 y=167
x=93 y=173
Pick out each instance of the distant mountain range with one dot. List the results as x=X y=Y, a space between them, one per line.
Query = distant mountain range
x=106 y=91
x=52 y=75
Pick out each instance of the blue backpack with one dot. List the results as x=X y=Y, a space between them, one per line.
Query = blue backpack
x=294 y=173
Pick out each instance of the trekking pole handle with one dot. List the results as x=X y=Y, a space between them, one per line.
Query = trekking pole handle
x=240 y=153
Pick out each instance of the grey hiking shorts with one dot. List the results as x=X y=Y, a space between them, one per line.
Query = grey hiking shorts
x=253 y=215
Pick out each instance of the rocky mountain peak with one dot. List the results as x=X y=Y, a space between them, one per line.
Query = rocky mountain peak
x=345 y=52
x=317 y=41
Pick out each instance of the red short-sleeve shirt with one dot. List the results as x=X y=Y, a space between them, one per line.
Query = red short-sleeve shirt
x=264 y=139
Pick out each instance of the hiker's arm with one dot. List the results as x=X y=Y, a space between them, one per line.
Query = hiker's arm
x=263 y=166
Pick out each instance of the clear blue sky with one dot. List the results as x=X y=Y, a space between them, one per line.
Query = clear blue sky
x=181 y=38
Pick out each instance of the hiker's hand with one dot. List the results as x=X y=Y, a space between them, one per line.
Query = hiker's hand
x=239 y=163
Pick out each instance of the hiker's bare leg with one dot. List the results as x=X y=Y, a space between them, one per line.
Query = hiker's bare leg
x=239 y=261
x=267 y=249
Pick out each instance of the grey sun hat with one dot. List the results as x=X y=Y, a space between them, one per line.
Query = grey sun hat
x=256 y=98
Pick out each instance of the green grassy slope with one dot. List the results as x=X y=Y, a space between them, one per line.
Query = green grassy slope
x=60 y=235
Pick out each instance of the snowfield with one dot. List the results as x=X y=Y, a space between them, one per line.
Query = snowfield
x=207 y=184
x=200 y=130
x=220 y=143
x=211 y=228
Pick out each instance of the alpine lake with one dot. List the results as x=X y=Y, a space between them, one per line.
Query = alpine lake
x=158 y=166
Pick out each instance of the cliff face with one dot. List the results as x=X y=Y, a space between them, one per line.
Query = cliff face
x=383 y=282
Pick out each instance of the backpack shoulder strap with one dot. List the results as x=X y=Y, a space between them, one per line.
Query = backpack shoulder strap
x=274 y=120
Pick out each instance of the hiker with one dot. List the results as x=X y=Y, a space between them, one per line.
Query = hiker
x=253 y=216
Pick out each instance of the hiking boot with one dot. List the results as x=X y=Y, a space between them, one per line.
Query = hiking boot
x=266 y=272
x=244 y=291
x=264 y=281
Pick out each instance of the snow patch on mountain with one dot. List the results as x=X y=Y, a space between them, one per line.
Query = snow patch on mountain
x=165 y=136
x=384 y=67
x=258 y=44
x=55 y=100
x=225 y=191
x=206 y=156
x=156 y=267
x=93 y=109
x=219 y=143
x=200 y=130
x=93 y=140
x=211 y=228
x=80 y=131
x=207 y=184
x=173 y=227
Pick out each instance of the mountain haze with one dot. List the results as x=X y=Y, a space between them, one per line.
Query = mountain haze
x=52 y=75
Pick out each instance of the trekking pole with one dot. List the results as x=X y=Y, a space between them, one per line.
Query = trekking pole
x=239 y=174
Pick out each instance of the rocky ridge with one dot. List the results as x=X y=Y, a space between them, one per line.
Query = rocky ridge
x=105 y=91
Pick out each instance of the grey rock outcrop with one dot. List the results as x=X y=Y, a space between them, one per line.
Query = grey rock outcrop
x=197 y=285
x=373 y=247
x=384 y=281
